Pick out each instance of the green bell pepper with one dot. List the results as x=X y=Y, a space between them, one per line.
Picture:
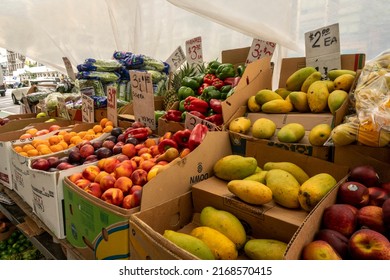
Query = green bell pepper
x=190 y=82
x=158 y=114
x=199 y=78
x=212 y=67
x=210 y=92
x=240 y=70
x=181 y=106
x=184 y=92
x=225 y=70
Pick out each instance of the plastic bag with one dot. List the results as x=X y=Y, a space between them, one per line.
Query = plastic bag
x=372 y=94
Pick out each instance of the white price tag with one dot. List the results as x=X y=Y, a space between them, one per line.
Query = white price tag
x=260 y=49
x=87 y=109
x=191 y=121
x=143 y=98
x=194 y=53
x=69 y=68
x=62 y=110
x=176 y=59
x=323 y=48
x=112 y=112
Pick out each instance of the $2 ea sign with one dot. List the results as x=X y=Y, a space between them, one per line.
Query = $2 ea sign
x=143 y=97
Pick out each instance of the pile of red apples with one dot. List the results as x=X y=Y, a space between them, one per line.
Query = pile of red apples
x=357 y=226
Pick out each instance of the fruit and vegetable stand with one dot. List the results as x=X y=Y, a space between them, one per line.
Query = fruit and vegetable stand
x=249 y=169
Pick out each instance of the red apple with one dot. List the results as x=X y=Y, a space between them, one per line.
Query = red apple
x=75 y=156
x=123 y=183
x=386 y=187
x=107 y=182
x=103 y=152
x=94 y=189
x=97 y=144
x=117 y=149
x=377 y=196
x=371 y=217
x=121 y=138
x=368 y=244
x=40 y=164
x=319 y=250
x=54 y=127
x=109 y=144
x=113 y=196
x=364 y=174
x=53 y=161
x=87 y=150
x=353 y=193
x=335 y=239
x=64 y=165
x=139 y=177
x=341 y=218
x=90 y=172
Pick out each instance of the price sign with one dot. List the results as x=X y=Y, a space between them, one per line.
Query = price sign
x=87 y=109
x=143 y=98
x=194 y=53
x=192 y=120
x=69 y=68
x=323 y=48
x=260 y=49
x=176 y=59
x=112 y=112
x=62 y=110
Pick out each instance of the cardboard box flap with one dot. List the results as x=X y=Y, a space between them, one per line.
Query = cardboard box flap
x=194 y=167
x=235 y=56
x=257 y=75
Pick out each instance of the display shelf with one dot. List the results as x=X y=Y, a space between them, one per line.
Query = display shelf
x=21 y=213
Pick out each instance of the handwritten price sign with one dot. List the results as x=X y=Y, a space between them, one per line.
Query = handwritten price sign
x=260 y=49
x=87 y=109
x=112 y=112
x=194 y=51
x=143 y=98
x=176 y=59
x=323 y=48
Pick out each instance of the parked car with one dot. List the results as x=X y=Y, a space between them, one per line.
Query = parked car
x=2 y=90
x=35 y=85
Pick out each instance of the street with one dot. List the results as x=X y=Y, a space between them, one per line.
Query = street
x=6 y=104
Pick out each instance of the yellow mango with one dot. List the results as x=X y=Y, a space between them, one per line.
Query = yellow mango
x=251 y=192
x=317 y=97
x=265 y=249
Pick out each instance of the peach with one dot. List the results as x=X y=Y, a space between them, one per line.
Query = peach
x=129 y=150
x=123 y=169
x=100 y=175
x=132 y=200
x=135 y=188
x=107 y=182
x=154 y=150
x=90 y=172
x=143 y=150
x=335 y=239
x=82 y=183
x=100 y=163
x=147 y=164
x=87 y=150
x=94 y=189
x=146 y=156
x=123 y=183
x=319 y=250
x=122 y=157
x=110 y=164
x=138 y=160
x=139 y=177
x=113 y=196
x=54 y=127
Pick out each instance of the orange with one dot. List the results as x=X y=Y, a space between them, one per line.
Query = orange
x=62 y=132
x=108 y=128
x=45 y=151
x=56 y=148
x=63 y=144
x=28 y=147
x=18 y=149
x=108 y=123
x=150 y=142
x=23 y=154
x=97 y=128
x=32 y=131
x=89 y=137
x=53 y=140
x=82 y=134
x=32 y=153
x=90 y=131
x=76 y=140
x=103 y=122
x=68 y=136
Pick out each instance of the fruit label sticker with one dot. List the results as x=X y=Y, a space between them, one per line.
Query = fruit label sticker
x=111 y=94
x=176 y=59
x=192 y=120
x=69 y=68
x=62 y=110
x=260 y=49
x=143 y=98
x=323 y=48
x=194 y=51
x=87 y=109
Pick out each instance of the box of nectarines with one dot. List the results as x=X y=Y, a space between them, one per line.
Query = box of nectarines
x=181 y=214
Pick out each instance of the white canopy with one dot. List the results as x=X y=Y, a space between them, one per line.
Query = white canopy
x=47 y=30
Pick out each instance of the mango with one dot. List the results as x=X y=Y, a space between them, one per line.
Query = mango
x=283 y=92
x=226 y=223
x=315 y=76
x=333 y=74
x=299 y=101
x=319 y=134
x=330 y=85
x=263 y=128
x=277 y=106
x=232 y=167
x=265 y=95
x=314 y=189
x=291 y=133
x=317 y=97
x=257 y=176
x=295 y=81
x=190 y=244
x=344 y=134
x=290 y=167
x=240 y=125
x=344 y=82
x=265 y=249
x=335 y=99
x=284 y=188
x=251 y=192
x=221 y=246
x=252 y=105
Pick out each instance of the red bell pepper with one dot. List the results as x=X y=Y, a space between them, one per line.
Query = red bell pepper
x=197 y=135
x=181 y=137
x=166 y=144
x=209 y=78
x=216 y=105
x=216 y=119
x=218 y=83
x=192 y=103
x=233 y=81
x=197 y=114
x=173 y=115
x=202 y=87
x=140 y=133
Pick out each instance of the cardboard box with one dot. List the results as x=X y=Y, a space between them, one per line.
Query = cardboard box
x=168 y=126
x=235 y=56
x=181 y=212
x=76 y=114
